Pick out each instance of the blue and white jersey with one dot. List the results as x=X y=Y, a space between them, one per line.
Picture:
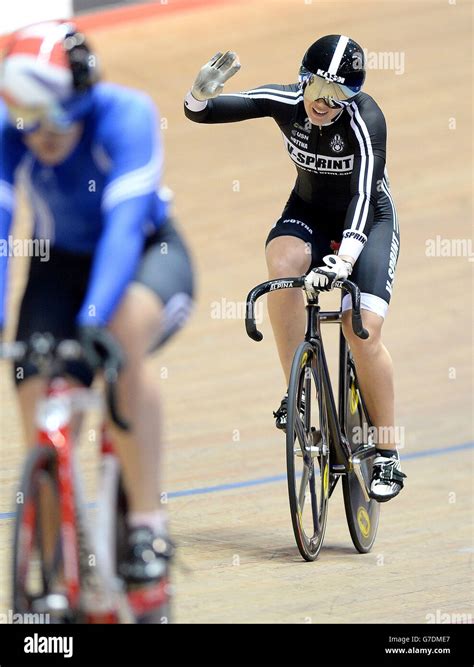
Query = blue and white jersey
x=104 y=199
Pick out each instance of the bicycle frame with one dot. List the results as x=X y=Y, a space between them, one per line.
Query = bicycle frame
x=95 y=591
x=313 y=336
x=54 y=430
x=345 y=460
x=60 y=438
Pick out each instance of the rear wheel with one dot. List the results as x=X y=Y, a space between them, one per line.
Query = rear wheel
x=362 y=515
x=307 y=453
x=37 y=553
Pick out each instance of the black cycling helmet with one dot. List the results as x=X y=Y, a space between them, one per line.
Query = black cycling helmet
x=333 y=68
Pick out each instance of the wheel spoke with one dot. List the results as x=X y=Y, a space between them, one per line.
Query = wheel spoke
x=307 y=395
x=314 y=504
x=303 y=486
x=302 y=437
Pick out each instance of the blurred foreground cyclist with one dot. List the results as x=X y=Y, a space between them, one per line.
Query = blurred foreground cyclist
x=336 y=136
x=118 y=276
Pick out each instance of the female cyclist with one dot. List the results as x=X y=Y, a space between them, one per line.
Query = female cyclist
x=336 y=136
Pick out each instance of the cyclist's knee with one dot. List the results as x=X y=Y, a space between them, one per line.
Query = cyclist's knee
x=372 y=323
x=136 y=324
x=287 y=256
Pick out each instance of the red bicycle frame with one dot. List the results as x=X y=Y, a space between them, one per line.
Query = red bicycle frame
x=60 y=439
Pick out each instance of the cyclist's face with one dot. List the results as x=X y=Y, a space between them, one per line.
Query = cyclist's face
x=51 y=146
x=319 y=113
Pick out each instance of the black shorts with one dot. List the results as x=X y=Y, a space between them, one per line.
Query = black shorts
x=56 y=289
x=374 y=271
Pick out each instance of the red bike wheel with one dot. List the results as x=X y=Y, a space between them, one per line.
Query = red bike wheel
x=33 y=571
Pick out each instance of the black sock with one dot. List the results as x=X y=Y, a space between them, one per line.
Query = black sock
x=390 y=453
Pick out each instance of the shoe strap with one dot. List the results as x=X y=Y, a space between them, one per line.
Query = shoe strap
x=389 y=474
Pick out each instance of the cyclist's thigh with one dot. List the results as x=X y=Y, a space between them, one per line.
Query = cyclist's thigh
x=52 y=298
x=305 y=222
x=374 y=271
x=166 y=269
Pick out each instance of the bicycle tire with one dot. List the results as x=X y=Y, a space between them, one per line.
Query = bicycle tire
x=302 y=425
x=40 y=464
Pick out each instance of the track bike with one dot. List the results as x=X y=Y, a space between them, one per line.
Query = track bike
x=324 y=443
x=63 y=547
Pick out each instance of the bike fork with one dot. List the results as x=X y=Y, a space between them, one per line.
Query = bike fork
x=61 y=439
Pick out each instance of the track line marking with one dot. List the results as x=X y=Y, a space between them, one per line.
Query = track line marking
x=259 y=481
x=109 y=18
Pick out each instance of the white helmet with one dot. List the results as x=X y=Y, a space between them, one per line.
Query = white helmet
x=46 y=72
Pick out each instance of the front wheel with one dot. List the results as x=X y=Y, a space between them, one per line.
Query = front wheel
x=307 y=452
x=37 y=553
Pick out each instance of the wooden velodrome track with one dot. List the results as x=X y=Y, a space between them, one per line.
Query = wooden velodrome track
x=237 y=558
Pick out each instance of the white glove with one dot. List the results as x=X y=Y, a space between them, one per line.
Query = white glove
x=324 y=277
x=211 y=78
